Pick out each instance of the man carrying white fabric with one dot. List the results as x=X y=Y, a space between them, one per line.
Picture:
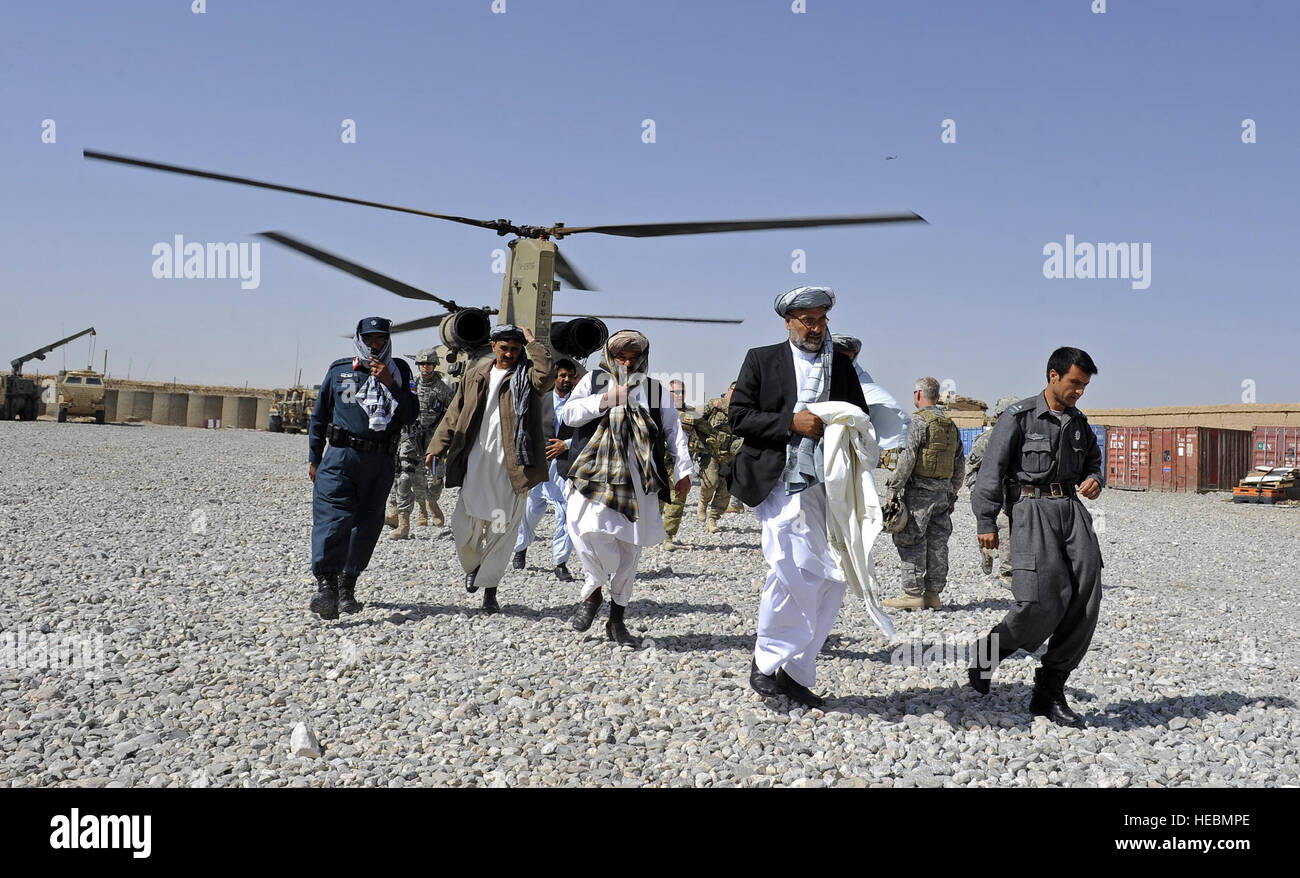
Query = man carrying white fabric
x=491 y=440
x=622 y=421
x=780 y=472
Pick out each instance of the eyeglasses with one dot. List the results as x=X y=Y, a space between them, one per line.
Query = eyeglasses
x=814 y=322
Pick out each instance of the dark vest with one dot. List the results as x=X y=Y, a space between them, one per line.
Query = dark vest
x=581 y=435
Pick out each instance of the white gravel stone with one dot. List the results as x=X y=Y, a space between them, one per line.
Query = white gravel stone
x=208 y=647
x=303 y=742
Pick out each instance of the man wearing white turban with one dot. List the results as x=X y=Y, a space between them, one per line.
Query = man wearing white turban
x=779 y=472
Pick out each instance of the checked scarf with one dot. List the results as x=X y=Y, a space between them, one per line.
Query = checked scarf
x=375 y=399
x=603 y=472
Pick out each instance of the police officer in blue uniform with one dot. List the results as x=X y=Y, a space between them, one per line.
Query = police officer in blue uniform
x=1044 y=456
x=364 y=403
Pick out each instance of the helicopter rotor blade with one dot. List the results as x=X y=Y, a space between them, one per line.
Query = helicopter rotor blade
x=655 y=230
x=393 y=285
x=261 y=184
x=421 y=323
x=566 y=272
x=664 y=319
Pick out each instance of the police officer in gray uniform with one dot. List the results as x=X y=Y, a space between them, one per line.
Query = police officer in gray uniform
x=414 y=483
x=363 y=404
x=973 y=461
x=928 y=474
x=1041 y=458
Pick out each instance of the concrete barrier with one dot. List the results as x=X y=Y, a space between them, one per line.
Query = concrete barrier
x=170 y=409
x=201 y=408
x=110 y=404
x=48 y=403
x=194 y=406
x=229 y=411
x=263 y=417
x=247 y=418
x=141 y=406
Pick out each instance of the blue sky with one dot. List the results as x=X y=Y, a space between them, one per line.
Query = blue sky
x=1122 y=127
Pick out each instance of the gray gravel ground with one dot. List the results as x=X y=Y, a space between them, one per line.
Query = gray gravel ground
x=188 y=551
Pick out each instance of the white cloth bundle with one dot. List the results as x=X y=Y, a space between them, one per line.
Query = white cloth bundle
x=853 y=516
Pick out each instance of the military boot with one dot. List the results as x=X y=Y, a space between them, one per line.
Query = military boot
x=390 y=518
x=711 y=526
x=1048 y=699
x=703 y=512
x=906 y=602
x=325 y=603
x=435 y=514
x=423 y=519
x=348 y=602
x=403 y=527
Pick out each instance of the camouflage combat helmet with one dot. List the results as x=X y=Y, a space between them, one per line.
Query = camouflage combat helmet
x=894 y=516
x=429 y=356
x=1003 y=404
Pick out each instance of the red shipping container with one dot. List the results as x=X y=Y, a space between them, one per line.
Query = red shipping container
x=1128 y=458
x=1277 y=446
x=1199 y=458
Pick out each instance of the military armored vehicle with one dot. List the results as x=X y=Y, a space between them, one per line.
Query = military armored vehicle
x=291 y=410
x=20 y=397
x=81 y=395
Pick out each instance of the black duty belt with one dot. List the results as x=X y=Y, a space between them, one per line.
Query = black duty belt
x=1055 y=489
x=340 y=438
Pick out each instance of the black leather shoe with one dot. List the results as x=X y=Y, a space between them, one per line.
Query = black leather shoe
x=562 y=573
x=797 y=691
x=980 y=673
x=764 y=684
x=469 y=581
x=1049 y=699
x=520 y=559
x=586 y=612
x=490 y=604
x=348 y=602
x=325 y=603
x=616 y=631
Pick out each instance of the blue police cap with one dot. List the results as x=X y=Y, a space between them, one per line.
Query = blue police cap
x=374 y=324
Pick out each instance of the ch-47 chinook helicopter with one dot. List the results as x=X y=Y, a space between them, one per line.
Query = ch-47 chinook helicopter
x=530 y=279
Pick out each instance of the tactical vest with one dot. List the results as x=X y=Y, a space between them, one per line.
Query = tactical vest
x=658 y=448
x=942 y=439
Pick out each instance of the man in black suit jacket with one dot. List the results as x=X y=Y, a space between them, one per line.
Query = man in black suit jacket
x=778 y=472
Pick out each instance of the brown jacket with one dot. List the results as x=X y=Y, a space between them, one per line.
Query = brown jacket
x=458 y=429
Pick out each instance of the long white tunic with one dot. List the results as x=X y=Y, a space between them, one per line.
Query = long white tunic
x=487 y=493
x=587 y=516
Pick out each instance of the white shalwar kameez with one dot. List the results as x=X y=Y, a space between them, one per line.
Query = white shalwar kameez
x=488 y=511
x=805 y=586
x=607 y=544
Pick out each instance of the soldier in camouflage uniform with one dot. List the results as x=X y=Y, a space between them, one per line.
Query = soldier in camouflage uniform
x=929 y=475
x=720 y=445
x=672 y=512
x=973 y=461
x=414 y=483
